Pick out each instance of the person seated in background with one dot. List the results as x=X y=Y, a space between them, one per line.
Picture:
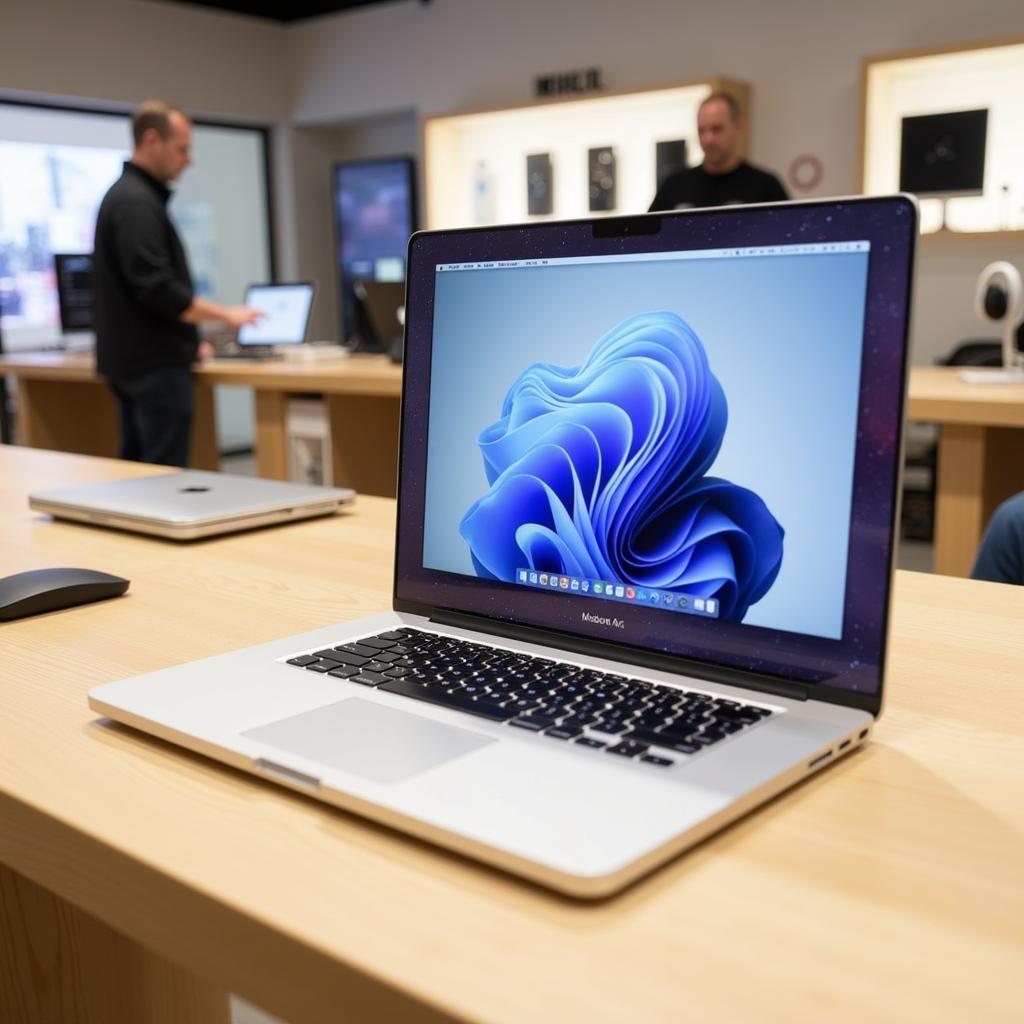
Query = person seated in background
x=1001 y=553
x=724 y=178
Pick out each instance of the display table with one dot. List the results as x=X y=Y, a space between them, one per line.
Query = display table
x=142 y=882
x=63 y=405
x=981 y=456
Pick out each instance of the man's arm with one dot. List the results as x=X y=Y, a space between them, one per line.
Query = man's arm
x=201 y=311
x=146 y=267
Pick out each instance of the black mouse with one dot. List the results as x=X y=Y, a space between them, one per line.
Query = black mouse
x=45 y=590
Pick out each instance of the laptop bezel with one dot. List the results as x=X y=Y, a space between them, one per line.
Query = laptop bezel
x=414 y=434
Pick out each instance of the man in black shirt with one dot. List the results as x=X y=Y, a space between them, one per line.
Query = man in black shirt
x=146 y=309
x=724 y=178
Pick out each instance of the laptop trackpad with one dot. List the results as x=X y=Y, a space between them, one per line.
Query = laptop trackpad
x=369 y=740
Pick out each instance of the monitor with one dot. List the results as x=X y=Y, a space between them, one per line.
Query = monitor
x=943 y=155
x=380 y=315
x=287 y=309
x=374 y=213
x=73 y=272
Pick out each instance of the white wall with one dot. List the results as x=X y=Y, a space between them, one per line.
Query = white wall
x=124 y=51
x=803 y=62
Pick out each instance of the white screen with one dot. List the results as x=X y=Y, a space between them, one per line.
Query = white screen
x=287 y=309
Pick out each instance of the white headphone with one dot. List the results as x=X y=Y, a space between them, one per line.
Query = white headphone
x=999 y=295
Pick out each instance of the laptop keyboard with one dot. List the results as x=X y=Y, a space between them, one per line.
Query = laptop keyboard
x=630 y=718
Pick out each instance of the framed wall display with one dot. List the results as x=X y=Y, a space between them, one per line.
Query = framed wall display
x=949 y=126
x=562 y=158
x=601 y=165
x=669 y=157
x=539 y=184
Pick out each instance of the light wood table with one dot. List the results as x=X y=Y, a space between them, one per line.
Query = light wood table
x=981 y=456
x=143 y=882
x=63 y=405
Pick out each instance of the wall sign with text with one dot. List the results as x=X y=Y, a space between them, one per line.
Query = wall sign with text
x=564 y=83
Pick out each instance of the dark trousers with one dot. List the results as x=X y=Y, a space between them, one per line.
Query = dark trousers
x=155 y=415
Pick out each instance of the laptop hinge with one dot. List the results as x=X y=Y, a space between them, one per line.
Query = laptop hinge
x=619 y=652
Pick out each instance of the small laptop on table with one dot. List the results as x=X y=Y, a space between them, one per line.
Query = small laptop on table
x=190 y=504
x=286 y=309
x=646 y=529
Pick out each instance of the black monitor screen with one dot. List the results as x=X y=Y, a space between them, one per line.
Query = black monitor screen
x=943 y=154
x=375 y=213
x=74 y=290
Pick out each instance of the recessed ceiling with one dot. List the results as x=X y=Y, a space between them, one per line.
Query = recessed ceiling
x=292 y=10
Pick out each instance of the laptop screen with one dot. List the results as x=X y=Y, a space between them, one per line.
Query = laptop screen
x=665 y=444
x=286 y=308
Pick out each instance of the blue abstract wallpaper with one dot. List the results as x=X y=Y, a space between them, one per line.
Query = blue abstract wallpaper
x=601 y=471
x=686 y=425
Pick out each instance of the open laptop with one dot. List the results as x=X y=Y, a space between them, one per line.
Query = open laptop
x=190 y=504
x=286 y=309
x=648 y=487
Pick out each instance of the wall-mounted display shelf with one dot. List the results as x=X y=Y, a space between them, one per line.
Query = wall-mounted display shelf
x=557 y=159
x=949 y=124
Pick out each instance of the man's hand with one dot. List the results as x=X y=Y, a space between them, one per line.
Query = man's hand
x=204 y=352
x=202 y=311
x=239 y=316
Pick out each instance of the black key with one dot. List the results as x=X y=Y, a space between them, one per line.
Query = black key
x=376 y=666
x=663 y=762
x=483 y=708
x=387 y=657
x=528 y=723
x=377 y=643
x=579 y=720
x=344 y=671
x=369 y=678
x=704 y=740
x=651 y=719
x=521 y=705
x=365 y=652
x=303 y=660
x=586 y=741
x=561 y=732
x=540 y=721
x=611 y=728
x=628 y=748
x=406 y=663
x=400 y=649
x=322 y=666
x=652 y=738
x=390 y=635
x=394 y=672
x=327 y=652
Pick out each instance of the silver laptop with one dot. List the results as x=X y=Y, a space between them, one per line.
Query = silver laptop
x=648 y=488
x=284 y=324
x=190 y=504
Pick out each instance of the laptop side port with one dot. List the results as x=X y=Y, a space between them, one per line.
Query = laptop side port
x=820 y=759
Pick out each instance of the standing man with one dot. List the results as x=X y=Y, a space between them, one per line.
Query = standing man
x=145 y=308
x=724 y=178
